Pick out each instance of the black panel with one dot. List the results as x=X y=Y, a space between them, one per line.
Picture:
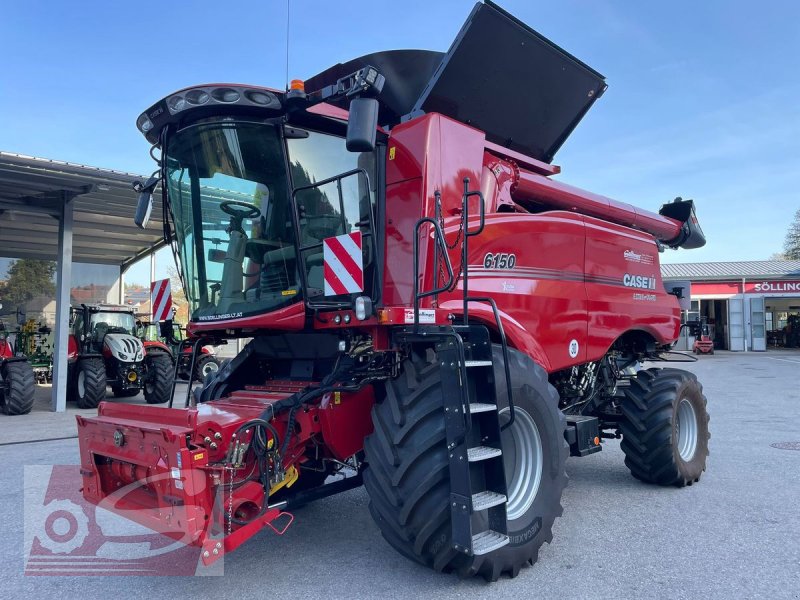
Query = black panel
x=504 y=78
x=407 y=73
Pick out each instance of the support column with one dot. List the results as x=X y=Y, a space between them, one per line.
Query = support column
x=58 y=402
x=121 y=285
x=152 y=279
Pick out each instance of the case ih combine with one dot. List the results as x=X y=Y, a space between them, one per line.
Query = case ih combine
x=431 y=312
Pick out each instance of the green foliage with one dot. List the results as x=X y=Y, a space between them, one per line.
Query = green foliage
x=791 y=246
x=28 y=278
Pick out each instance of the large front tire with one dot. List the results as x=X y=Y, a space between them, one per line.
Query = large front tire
x=408 y=471
x=665 y=427
x=90 y=382
x=158 y=381
x=18 y=385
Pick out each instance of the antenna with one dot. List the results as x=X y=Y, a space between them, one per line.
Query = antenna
x=287 y=45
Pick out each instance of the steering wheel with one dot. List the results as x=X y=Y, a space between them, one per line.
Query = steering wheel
x=240 y=210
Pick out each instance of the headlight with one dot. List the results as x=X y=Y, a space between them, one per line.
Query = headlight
x=122 y=356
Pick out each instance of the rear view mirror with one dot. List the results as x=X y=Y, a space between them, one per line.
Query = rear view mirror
x=143 y=210
x=362 y=125
x=21 y=317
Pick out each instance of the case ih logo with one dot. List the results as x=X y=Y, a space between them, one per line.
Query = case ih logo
x=777 y=286
x=641 y=282
x=65 y=535
x=636 y=257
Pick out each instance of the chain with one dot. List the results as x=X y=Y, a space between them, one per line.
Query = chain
x=230 y=502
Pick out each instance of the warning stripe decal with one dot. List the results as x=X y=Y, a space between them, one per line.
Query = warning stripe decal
x=160 y=299
x=343 y=264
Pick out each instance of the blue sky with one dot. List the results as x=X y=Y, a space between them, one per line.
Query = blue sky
x=702 y=99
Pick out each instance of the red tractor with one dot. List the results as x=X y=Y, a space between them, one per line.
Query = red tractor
x=180 y=348
x=17 y=381
x=104 y=351
x=430 y=312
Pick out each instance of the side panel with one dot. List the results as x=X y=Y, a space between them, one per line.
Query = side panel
x=532 y=265
x=624 y=287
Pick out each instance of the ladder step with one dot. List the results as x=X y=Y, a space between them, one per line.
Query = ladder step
x=487 y=541
x=477 y=363
x=486 y=499
x=482 y=453
x=478 y=407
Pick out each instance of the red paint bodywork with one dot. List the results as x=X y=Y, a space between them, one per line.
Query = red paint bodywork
x=586 y=271
x=6 y=350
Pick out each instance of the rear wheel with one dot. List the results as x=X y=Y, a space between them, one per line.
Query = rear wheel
x=206 y=365
x=408 y=471
x=158 y=381
x=17 y=385
x=665 y=429
x=90 y=382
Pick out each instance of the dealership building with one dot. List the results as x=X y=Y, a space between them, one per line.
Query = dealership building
x=748 y=305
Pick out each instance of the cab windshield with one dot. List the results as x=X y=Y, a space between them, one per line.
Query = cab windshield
x=101 y=323
x=228 y=194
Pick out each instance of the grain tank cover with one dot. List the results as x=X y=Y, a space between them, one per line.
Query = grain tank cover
x=502 y=77
x=499 y=75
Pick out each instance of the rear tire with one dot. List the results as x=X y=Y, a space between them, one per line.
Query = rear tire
x=18 y=384
x=90 y=382
x=407 y=477
x=206 y=365
x=665 y=430
x=158 y=381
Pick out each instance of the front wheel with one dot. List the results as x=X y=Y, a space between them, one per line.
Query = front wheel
x=90 y=382
x=16 y=387
x=158 y=381
x=665 y=427
x=407 y=478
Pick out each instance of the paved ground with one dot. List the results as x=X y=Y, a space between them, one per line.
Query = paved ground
x=736 y=534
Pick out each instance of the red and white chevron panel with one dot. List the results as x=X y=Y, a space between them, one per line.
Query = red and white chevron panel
x=160 y=300
x=344 y=264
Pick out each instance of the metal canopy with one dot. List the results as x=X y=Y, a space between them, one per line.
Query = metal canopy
x=33 y=192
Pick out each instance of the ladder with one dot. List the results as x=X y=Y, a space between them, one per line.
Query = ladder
x=472 y=427
x=478 y=489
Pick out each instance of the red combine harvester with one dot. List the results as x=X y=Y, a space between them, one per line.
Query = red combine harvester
x=431 y=314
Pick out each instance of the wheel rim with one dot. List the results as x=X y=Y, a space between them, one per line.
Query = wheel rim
x=209 y=367
x=81 y=384
x=523 y=462
x=686 y=429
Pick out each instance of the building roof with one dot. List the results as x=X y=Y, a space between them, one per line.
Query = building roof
x=733 y=271
x=33 y=192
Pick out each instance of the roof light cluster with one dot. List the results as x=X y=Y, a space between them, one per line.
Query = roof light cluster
x=155 y=116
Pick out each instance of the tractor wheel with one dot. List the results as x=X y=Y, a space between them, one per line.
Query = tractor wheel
x=90 y=382
x=665 y=427
x=124 y=393
x=17 y=383
x=407 y=477
x=206 y=365
x=158 y=381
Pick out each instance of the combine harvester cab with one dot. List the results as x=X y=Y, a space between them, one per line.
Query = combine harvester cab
x=430 y=312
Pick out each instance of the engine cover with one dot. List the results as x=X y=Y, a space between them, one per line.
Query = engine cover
x=124 y=347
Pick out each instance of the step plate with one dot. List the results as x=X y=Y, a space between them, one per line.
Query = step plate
x=477 y=363
x=486 y=499
x=479 y=407
x=488 y=541
x=482 y=453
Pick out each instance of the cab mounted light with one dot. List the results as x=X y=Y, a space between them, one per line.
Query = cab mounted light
x=363 y=308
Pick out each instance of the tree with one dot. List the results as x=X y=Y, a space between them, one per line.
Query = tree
x=28 y=278
x=791 y=246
